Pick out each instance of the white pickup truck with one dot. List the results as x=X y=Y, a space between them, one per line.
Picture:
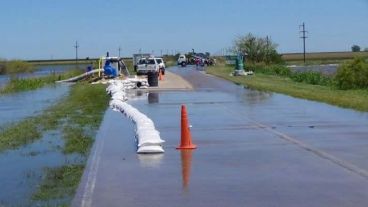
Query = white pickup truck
x=146 y=65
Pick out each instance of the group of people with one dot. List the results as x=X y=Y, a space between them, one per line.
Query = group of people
x=203 y=62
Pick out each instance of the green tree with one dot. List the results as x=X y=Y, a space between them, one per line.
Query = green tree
x=355 y=48
x=257 y=49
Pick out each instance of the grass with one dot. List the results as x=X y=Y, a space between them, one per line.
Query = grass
x=78 y=117
x=82 y=108
x=15 y=66
x=76 y=141
x=355 y=99
x=19 y=134
x=26 y=84
x=59 y=183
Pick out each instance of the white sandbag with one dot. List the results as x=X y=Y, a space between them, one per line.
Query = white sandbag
x=150 y=149
x=148 y=138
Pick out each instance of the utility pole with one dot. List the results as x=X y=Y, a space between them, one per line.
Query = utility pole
x=268 y=49
x=76 y=46
x=119 y=50
x=303 y=33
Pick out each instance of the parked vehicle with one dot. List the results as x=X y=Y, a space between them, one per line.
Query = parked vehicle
x=182 y=60
x=137 y=57
x=146 y=65
x=161 y=64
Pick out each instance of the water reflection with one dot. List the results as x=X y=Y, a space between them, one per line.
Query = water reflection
x=255 y=97
x=22 y=169
x=16 y=106
x=153 y=98
x=186 y=165
x=150 y=160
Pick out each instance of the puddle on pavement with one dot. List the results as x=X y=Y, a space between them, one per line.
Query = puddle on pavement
x=16 y=106
x=22 y=169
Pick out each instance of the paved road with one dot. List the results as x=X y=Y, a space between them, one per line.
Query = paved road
x=254 y=149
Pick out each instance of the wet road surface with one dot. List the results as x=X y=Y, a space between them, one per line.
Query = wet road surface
x=254 y=149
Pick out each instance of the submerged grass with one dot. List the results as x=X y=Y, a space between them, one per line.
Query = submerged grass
x=83 y=108
x=59 y=182
x=18 y=134
x=26 y=84
x=355 y=99
x=78 y=117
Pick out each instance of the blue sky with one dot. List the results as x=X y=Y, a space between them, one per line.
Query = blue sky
x=44 y=29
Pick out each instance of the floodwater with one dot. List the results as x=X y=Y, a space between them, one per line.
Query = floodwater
x=254 y=149
x=22 y=170
x=42 y=70
x=329 y=70
x=16 y=106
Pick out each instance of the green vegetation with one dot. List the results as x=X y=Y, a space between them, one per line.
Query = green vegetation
x=81 y=110
x=353 y=74
x=78 y=117
x=59 y=182
x=355 y=48
x=26 y=84
x=15 y=66
x=19 y=134
x=258 y=49
x=309 y=77
x=356 y=99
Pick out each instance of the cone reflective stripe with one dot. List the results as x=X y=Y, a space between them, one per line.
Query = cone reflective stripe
x=186 y=138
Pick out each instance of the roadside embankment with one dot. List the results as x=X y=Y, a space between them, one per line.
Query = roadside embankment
x=353 y=98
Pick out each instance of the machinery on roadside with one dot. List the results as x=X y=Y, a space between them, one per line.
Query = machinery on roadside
x=113 y=66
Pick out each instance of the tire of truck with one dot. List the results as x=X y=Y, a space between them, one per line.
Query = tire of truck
x=183 y=64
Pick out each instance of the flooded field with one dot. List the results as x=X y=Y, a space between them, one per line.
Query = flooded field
x=23 y=169
x=324 y=69
x=16 y=106
x=42 y=70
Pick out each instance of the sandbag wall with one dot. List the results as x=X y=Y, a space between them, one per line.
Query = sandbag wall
x=148 y=138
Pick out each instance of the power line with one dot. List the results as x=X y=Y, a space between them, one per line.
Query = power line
x=303 y=33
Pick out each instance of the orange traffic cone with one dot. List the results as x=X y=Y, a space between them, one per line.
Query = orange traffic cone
x=160 y=76
x=186 y=138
